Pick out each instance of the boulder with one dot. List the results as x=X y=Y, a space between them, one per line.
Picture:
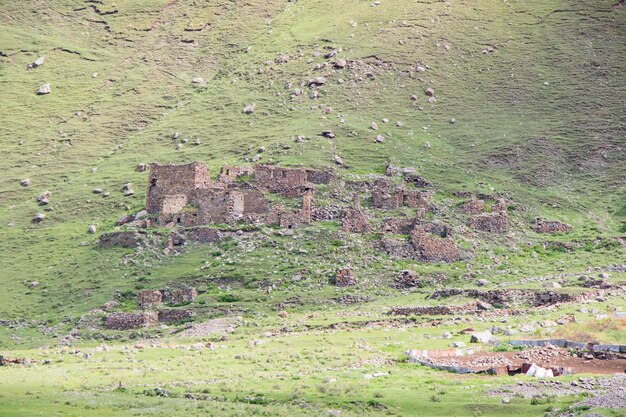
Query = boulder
x=44 y=89
x=481 y=337
x=249 y=109
x=317 y=81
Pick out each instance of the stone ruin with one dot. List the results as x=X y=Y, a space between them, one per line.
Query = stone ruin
x=495 y=222
x=387 y=197
x=354 y=219
x=185 y=195
x=434 y=244
x=406 y=280
x=154 y=298
x=345 y=277
x=127 y=321
x=149 y=298
x=544 y=226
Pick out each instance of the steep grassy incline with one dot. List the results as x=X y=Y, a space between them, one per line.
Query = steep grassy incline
x=536 y=89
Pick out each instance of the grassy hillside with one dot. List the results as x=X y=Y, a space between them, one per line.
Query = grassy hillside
x=536 y=91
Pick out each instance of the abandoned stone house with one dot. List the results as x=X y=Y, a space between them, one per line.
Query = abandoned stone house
x=185 y=194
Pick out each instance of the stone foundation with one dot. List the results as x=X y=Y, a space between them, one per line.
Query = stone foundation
x=128 y=321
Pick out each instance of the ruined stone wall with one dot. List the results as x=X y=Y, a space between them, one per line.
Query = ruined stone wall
x=127 y=321
x=179 y=295
x=397 y=247
x=398 y=225
x=229 y=175
x=278 y=179
x=492 y=223
x=345 y=277
x=515 y=297
x=416 y=199
x=174 y=179
x=315 y=176
x=173 y=316
x=171 y=204
x=431 y=247
x=544 y=226
x=384 y=196
x=473 y=206
x=354 y=221
x=149 y=298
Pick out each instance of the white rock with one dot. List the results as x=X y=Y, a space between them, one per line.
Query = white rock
x=44 y=89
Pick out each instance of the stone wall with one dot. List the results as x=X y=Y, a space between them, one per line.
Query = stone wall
x=315 y=176
x=127 y=321
x=277 y=179
x=149 y=298
x=407 y=279
x=345 y=277
x=173 y=316
x=167 y=180
x=179 y=295
x=229 y=175
x=544 y=226
x=434 y=248
x=492 y=223
x=473 y=206
x=353 y=219
x=515 y=297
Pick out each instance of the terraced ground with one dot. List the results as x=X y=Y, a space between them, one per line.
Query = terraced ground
x=536 y=90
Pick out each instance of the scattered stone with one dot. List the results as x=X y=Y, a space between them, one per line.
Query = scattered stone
x=33 y=284
x=317 y=81
x=458 y=345
x=44 y=198
x=374 y=126
x=407 y=279
x=482 y=282
x=39 y=62
x=92 y=229
x=198 y=80
x=447 y=335
x=44 y=89
x=552 y=285
x=249 y=109
x=97 y=190
x=527 y=328
x=452 y=120
x=379 y=139
x=328 y=134
x=39 y=217
x=283 y=314
x=506 y=400
x=127 y=189
x=430 y=92
x=338 y=160
x=25 y=182
x=481 y=337
x=340 y=63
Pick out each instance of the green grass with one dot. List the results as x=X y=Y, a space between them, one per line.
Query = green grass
x=556 y=150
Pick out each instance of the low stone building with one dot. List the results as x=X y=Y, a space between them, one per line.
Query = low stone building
x=184 y=195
